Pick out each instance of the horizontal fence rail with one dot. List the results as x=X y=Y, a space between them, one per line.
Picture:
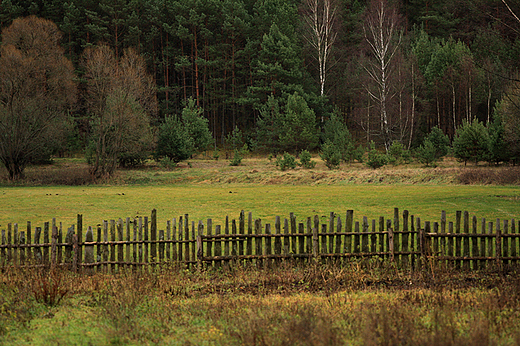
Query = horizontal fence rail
x=467 y=243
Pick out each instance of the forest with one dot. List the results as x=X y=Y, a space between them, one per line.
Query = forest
x=388 y=70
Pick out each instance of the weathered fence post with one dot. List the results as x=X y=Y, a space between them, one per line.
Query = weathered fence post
x=79 y=234
x=390 y=239
x=200 y=250
x=315 y=242
x=75 y=250
x=498 y=242
x=153 y=237
x=89 y=250
x=54 y=239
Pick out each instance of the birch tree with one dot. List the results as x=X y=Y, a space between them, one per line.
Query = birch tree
x=320 y=18
x=383 y=36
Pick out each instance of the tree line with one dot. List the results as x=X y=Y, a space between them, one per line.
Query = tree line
x=272 y=72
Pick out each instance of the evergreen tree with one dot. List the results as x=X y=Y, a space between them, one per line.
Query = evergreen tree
x=471 y=142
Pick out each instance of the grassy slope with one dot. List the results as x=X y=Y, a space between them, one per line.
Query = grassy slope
x=213 y=190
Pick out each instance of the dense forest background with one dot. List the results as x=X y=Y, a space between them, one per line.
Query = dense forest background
x=446 y=60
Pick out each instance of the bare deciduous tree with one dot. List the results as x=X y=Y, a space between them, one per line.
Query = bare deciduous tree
x=381 y=30
x=121 y=98
x=320 y=17
x=36 y=88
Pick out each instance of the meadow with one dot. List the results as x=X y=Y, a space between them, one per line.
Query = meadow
x=355 y=302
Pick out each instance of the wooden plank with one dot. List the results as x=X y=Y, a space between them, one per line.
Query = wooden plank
x=120 y=237
x=505 y=241
x=406 y=260
x=234 y=243
x=187 y=256
x=135 y=253
x=357 y=240
x=68 y=247
x=301 y=240
x=153 y=236
x=226 y=242
x=258 y=241
x=21 y=241
x=268 y=247
x=483 y=248
x=292 y=218
x=277 y=240
x=200 y=244
x=209 y=232
x=498 y=245
x=161 y=246
x=514 y=242
x=99 y=248
x=474 y=245
x=364 y=240
x=451 y=244
x=413 y=241
x=89 y=249
x=286 y=241
x=218 y=246
x=331 y=238
x=146 y=239
x=381 y=238
x=28 y=252
x=79 y=227
x=349 y=219
x=373 y=237
x=315 y=239
x=458 y=240
x=391 y=242
x=241 y=231
x=435 y=243
x=112 y=247
x=397 y=236
x=180 y=237
x=339 y=227
x=491 y=242
x=442 y=240
x=128 y=239
x=38 y=256
x=3 y=251
x=174 y=256
x=59 y=258
x=46 y=240
x=193 y=243
x=14 y=243
x=249 y=243
x=309 y=237
x=465 y=243
x=54 y=241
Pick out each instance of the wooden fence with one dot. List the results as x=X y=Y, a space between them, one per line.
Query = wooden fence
x=466 y=243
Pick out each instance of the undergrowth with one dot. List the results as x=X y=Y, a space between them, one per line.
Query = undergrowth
x=354 y=302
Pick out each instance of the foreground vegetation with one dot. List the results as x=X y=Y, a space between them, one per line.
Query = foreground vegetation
x=350 y=304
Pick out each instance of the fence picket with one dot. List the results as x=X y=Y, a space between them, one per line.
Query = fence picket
x=463 y=245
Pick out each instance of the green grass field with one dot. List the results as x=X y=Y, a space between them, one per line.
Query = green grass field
x=200 y=201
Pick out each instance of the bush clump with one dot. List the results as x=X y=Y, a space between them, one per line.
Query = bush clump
x=287 y=161
x=330 y=154
x=375 y=158
x=305 y=160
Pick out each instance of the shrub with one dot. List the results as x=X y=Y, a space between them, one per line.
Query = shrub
x=286 y=161
x=330 y=154
x=397 y=153
x=337 y=132
x=471 y=142
x=359 y=153
x=440 y=142
x=305 y=160
x=375 y=158
x=237 y=158
x=427 y=153
x=174 y=141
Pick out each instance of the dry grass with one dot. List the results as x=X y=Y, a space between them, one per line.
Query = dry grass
x=292 y=304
